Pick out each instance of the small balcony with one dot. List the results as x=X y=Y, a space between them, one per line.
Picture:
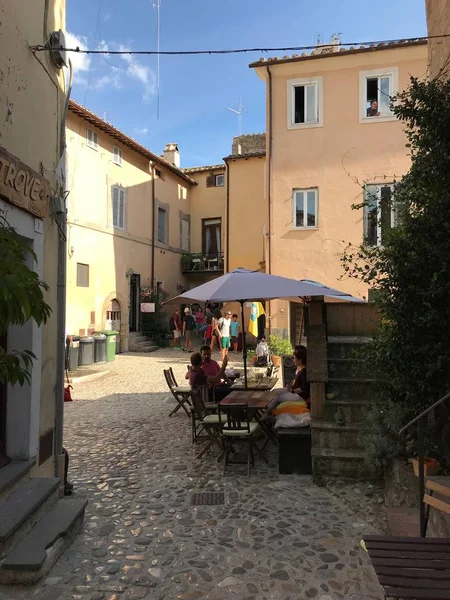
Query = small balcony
x=202 y=263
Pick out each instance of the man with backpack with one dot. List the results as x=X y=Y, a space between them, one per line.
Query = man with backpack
x=175 y=326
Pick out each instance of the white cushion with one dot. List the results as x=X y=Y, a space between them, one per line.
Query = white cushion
x=233 y=433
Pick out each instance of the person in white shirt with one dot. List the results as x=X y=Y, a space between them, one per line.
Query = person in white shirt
x=224 y=331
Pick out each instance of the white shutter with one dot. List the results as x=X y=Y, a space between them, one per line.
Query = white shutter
x=184 y=234
x=115 y=206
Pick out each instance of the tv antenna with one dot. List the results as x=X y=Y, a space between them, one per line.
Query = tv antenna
x=240 y=110
x=157 y=6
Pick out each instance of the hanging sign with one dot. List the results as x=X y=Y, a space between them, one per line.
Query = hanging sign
x=147 y=307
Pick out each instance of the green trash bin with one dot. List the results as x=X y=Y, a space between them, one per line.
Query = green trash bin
x=110 y=343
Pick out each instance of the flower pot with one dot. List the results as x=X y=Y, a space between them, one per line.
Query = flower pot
x=253 y=360
x=431 y=466
x=276 y=360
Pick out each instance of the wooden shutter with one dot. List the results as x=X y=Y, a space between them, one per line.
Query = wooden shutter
x=211 y=180
x=115 y=206
x=121 y=208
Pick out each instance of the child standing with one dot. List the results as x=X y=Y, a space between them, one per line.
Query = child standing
x=235 y=328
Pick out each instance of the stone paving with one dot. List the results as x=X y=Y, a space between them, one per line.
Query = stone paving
x=274 y=537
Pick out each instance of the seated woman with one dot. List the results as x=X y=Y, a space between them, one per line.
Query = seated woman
x=197 y=376
x=298 y=389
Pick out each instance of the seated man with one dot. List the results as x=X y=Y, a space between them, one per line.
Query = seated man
x=214 y=375
x=262 y=353
x=298 y=389
x=197 y=376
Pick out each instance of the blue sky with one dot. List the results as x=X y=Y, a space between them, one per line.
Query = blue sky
x=195 y=91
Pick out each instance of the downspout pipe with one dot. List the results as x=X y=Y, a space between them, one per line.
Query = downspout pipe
x=61 y=291
x=153 y=227
x=227 y=261
x=269 y=181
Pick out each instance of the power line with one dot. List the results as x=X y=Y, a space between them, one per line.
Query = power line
x=238 y=50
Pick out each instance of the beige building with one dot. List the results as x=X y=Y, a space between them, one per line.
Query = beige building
x=128 y=225
x=332 y=143
x=31 y=149
x=438 y=21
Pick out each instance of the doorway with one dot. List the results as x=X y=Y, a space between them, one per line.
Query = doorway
x=211 y=236
x=3 y=400
x=135 y=287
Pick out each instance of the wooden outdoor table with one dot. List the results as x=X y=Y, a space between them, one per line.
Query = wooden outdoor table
x=266 y=383
x=257 y=401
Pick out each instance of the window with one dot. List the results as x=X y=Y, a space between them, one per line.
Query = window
x=376 y=89
x=380 y=213
x=117 y=156
x=211 y=236
x=305 y=209
x=159 y=174
x=185 y=235
x=118 y=207
x=162 y=226
x=82 y=275
x=213 y=180
x=305 y=103
x=92 y=139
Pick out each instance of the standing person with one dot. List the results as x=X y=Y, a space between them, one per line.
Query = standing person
x=234 y=331
x=199 y=318
x=215 y=329
x=175 y=326
x=188 y=328
x=225 y=333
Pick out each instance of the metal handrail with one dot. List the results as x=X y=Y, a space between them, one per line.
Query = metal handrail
x=424 y=413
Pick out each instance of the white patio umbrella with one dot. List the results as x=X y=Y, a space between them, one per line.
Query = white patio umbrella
x=243 y=286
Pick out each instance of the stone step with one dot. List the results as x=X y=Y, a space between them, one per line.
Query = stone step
x=38 y=551
x=351 y=389
x=13 y=474
x=351 y=411
x=22 y=509
x=346 y=347
x=144 y=347
x=337 y=462
x=328 y=434
x=349 y=368
x=137 y=339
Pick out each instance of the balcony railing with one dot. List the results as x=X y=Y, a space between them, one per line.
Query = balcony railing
x=201 y=263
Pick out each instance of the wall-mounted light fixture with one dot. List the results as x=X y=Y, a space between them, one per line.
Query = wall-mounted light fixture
x=129 y=273
x=71 y=251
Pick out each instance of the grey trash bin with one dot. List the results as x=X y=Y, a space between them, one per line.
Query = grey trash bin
x=73 y=351
x=86 y=354
x=99 y=348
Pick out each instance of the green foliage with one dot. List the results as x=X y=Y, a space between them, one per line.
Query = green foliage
x=186 y=261
x=21 y=299
x=410 y=277
x=155 y=325
x=279 y=346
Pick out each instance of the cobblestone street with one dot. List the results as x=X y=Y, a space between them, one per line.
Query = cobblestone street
x=275 y=536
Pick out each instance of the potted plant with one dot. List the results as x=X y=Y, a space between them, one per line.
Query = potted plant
x=431 y=463
x=186 y=262
x=251 y=356
x=279 y=346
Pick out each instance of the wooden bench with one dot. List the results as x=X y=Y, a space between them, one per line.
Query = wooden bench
x=294 y=448
x=415 y=567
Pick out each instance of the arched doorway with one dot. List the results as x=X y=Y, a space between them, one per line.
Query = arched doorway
x=113 y=318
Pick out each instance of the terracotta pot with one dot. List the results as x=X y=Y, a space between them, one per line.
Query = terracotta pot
x=431 y=466
x=253 y=360
x=276 y=360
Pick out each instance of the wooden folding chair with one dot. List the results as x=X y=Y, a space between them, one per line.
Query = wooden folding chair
x=202 y=421
x=181 y=394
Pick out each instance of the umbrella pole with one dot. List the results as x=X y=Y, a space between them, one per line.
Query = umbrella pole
x=244 y=343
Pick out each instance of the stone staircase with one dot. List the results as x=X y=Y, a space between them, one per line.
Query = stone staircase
x=139 y=343
x=36 y=526
x=337 y=439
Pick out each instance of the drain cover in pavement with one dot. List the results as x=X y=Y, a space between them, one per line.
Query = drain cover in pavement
x=203 y=498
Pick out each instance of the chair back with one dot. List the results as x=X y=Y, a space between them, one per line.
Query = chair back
x=235 y=417
x=198 y=402
x=173 y=377
x=169 y=378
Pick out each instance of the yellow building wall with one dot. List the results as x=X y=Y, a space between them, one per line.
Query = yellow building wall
x=206 y=203
x=338 y=159
x=438 y=21
x=248 y=213
x=32 y=102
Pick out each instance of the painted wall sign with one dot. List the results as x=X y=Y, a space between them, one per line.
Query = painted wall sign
x=147 y=307
x=22 y=186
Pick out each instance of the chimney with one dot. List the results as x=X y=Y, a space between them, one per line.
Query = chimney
x=172 y=155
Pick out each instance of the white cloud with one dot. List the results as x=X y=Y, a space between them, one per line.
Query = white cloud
x=81 y=62
x=106 y=17
x=141 y=131
x=142 y=73
x=107 y=81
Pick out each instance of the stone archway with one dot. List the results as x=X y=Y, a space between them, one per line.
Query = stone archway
x=114 y=311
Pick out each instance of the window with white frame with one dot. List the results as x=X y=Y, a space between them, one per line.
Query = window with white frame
x=117 y=156
x=376 y=90
x=162 y=226
x=185 y=235
x=118 y=207
x=92 y=139
x=304 y=209
x=305 y=102
x=381 y=213
x=220 y=180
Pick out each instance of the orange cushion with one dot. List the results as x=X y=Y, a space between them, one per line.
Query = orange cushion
x=293 y=408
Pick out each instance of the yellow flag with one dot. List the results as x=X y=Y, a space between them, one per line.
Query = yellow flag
x=257 y=310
